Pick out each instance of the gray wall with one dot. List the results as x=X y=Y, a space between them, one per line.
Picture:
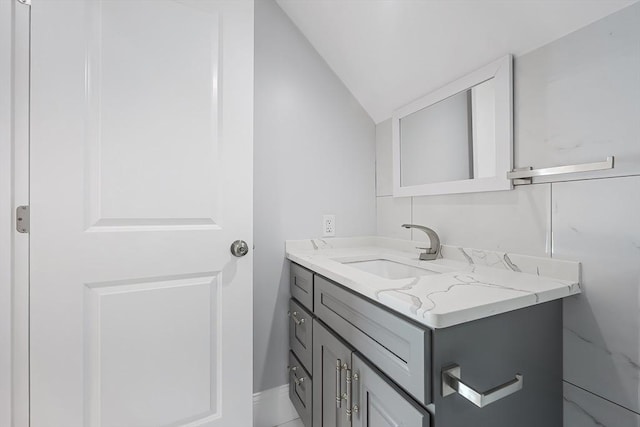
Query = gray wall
x=314 y=154
x=577 y=100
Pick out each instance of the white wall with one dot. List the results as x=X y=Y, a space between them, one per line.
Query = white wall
x=314 y=153
x=14 y=247
x=5 y=212
x=576 y=100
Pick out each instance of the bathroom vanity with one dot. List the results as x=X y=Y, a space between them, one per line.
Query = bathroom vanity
x=379 y=337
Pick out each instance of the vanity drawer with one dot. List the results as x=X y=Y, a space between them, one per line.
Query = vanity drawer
x=301 y=284
x=300 y=389
x=397 y=347
x=300 y=333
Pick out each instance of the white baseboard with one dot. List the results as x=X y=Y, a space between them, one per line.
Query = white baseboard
x=272 y=407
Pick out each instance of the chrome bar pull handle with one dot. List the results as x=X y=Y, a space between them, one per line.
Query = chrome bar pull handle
x=452 y=383
x=294 y=316
x=338 y=384
x=356 y=407
x=349 y=390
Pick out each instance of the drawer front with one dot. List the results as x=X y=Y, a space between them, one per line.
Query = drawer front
x=300 y=389
x=301 y=333
x=301 y=284
x=397 y=347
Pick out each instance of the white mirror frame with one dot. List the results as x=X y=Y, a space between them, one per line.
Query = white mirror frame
x=502 y=73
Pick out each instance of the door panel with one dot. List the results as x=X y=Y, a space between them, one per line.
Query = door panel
x=327 y=349
x=152 y=110
x=133 y=287
x=164 y=353
x=382 y=404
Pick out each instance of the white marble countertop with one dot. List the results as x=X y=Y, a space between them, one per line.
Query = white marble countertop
x=466 y=284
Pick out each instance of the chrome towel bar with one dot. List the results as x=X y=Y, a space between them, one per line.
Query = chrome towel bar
x=452 y=383
x=525 y=174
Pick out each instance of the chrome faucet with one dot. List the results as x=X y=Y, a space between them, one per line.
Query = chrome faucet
x=432 y=252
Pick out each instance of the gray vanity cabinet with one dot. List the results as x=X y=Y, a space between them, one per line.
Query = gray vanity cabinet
x=331 y=358
x=380 y=403
x=367 y=366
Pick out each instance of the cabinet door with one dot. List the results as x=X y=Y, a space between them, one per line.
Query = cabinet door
x=329 y=379
x=381 y=404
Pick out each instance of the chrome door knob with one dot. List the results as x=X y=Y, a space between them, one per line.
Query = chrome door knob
x=239 y=248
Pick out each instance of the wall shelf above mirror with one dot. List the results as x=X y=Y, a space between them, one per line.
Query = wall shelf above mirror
x=459 y=138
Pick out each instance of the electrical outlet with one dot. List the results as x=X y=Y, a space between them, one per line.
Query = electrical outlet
x=328 y=225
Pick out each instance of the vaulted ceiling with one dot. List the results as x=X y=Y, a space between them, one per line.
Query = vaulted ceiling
x=390 y=52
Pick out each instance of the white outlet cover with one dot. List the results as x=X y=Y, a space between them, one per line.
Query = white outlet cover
x=328 y=225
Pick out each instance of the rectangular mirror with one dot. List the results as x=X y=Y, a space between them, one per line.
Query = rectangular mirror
x=457 y=139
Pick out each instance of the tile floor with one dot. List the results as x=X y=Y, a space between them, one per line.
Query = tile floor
x=294 y=423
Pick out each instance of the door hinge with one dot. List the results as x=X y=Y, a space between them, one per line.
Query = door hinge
x=22 y=219
x=27 y=2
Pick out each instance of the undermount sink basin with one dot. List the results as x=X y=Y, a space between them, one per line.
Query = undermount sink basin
x=389 y=269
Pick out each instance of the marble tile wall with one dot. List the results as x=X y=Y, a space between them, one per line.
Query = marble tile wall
x=584 y=409
x=522 y=216
x=577 y=100
x=597 y=222
x=391 y=213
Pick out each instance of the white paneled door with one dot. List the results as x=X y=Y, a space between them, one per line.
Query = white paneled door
x=141 y=178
